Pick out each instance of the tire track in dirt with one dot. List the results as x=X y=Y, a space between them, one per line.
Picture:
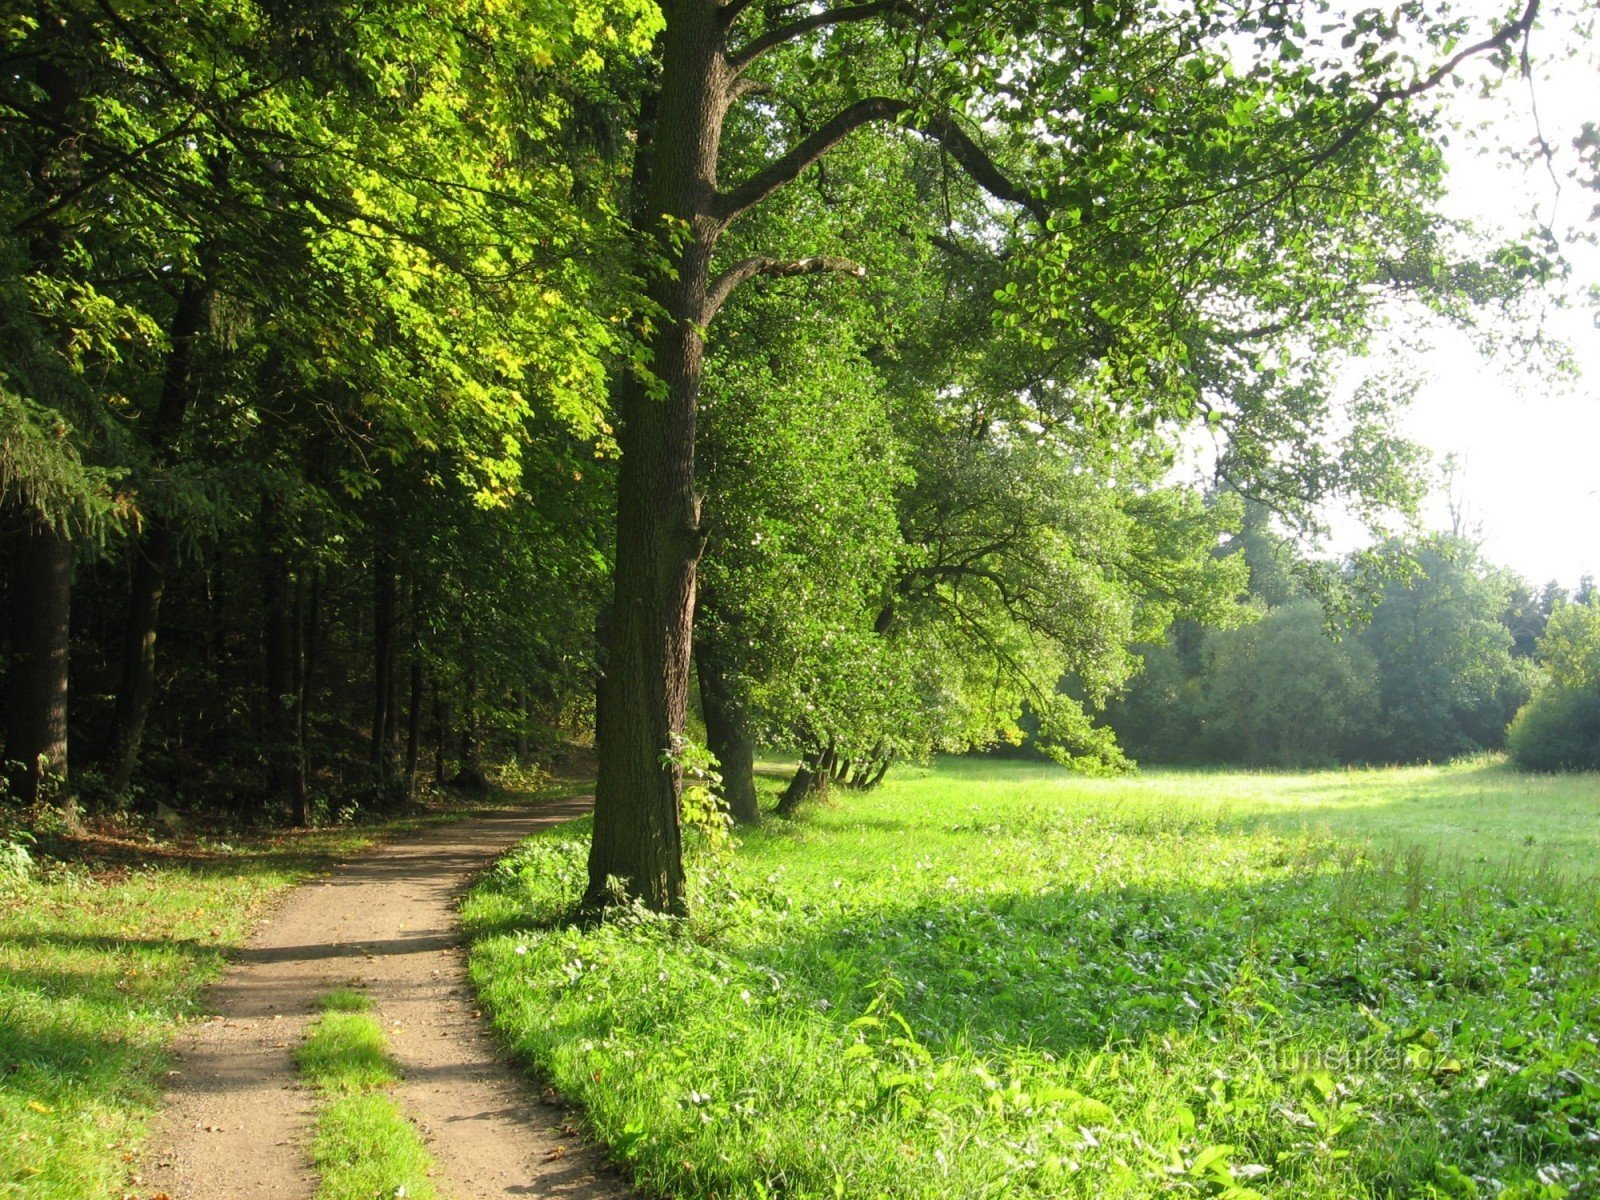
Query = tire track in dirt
x=237 y=1118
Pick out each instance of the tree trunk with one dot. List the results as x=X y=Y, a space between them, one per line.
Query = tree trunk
x=808 y=778
x=637 y=842
x=519 y=704
x=471 y=776
x=286 y=780
x=36 y=700
x=414 y=722
x=877 y=776
x=153 y=555
x=728 y=735
x=307 y=617
x=383 y=631
x=441 y=735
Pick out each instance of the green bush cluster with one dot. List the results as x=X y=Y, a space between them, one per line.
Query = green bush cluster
x=1558 y=730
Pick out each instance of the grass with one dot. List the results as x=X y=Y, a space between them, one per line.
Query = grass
x=998 y=980
x=103 y=956
x=364 y=1147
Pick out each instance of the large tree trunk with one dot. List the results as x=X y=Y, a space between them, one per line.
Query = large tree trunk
x=728 y=735
x=637 y=842
x=36 y=700
x=153 y=555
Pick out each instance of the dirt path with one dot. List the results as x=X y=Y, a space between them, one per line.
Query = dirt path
x=237 y=1119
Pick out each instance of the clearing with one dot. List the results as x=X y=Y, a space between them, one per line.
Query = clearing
x=996 y=979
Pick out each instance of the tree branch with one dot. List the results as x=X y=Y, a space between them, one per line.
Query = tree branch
x=773 y=38
x=723 y=285
x=975 y=161
x=941 y=127
x=782 y=170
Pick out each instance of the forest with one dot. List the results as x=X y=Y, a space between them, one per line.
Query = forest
x=393 y=393
x=784 y=558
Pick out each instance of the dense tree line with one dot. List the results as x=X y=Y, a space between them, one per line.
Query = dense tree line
x=384 y=384
x=1435 y=661
x=306 y=334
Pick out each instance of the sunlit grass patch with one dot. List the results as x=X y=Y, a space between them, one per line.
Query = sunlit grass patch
x=1029 y=985
x=364 y=1146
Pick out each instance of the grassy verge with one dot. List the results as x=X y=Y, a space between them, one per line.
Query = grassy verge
x=103 y=956
x=1007 y=982
x=364 y=1146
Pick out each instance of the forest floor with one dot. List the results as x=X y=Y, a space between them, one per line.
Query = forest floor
x=105 y=959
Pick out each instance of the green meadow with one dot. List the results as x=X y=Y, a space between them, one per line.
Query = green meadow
x=992 y=979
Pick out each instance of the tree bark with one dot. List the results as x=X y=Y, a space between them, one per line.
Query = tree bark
x=414 y=722
x=519 y=705
x=153 y=554
x=36 y=700
x=471 y=776
x=286 y=777
x=441 y=735
x=728 y=736
x=808 y=778
x=383 y=630
x=637 y=844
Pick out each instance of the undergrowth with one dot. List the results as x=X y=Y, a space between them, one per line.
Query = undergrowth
x=946 y=990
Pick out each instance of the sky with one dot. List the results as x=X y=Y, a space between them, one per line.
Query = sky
x=1527 y=446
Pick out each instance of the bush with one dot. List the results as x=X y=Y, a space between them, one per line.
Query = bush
x=1558 y=730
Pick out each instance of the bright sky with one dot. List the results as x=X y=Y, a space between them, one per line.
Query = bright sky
x=1527 y=448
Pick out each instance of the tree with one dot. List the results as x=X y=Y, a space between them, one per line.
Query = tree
x=1559 y=728
x=1139 y=204
x=1282 y=692
x=266 y=273
x=1446 y=680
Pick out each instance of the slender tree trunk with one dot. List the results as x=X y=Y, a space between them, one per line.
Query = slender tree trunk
x=36 y=684
x=286 y=782
x=519 y=703
x=307 y=617
x=414 y=722
x=637 y=839
x=471 y=775
x=383 y=626
x=36 y=765
x=728 y=734
x=153 y=554
x=441 y=735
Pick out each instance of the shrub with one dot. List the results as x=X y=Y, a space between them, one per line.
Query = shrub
x=1558 y=730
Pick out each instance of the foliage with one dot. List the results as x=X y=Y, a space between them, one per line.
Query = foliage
x=1425 y=670
x=298 y=302
x=1281 y=692
x=1570 y=646
x=1005 y=980
x=1447 y=684
x=1557 y=730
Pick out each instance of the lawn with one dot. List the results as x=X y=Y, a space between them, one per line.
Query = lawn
x=103 y=956
x=997 y=979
